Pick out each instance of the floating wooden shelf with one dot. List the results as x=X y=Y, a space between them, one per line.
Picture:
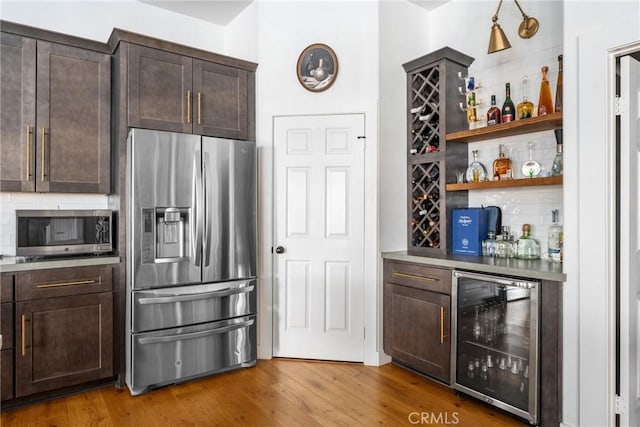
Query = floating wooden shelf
x=506 y=183
x=516 y=127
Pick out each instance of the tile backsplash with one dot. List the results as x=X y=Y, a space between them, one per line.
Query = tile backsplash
x=521 y=205
x=10 y=202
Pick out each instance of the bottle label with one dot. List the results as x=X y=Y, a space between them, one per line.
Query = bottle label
x=507 y=118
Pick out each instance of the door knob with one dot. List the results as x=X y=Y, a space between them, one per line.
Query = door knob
x=279 y=250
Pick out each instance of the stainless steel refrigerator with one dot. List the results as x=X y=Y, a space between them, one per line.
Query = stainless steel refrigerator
x=191 y=257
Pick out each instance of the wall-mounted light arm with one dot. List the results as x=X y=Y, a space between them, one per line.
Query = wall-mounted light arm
x=529 y=25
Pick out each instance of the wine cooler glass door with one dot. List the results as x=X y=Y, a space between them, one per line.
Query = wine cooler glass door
x=496 y=340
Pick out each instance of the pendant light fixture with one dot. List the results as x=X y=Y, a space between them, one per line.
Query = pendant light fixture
x=498 y=40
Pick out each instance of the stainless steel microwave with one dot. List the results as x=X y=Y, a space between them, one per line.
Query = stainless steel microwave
x=63 y=232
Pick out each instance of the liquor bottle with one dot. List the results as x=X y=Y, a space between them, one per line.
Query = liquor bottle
x=555 y=238
x=557 y=165
x=494 y=116
x=524 y=109
x=476 y=171
x=508 y=109
x=559 y=85
x=489 y=244
x=504 y=247
x=544 y=102
x=501 y=165
x=527 y=247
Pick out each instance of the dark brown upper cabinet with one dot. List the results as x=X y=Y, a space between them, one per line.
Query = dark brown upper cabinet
x=173 y=92
x=56 y=117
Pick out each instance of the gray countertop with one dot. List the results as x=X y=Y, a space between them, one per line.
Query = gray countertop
x=533 y=269
x=11 y=264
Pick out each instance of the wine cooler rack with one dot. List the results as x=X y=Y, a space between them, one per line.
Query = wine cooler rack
x=432 y=87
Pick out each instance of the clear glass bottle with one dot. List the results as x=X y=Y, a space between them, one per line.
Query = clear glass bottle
x=559 y=86
x=494 y=116
x=557 y=165
x=527 y=246
x=489 y=244
x=555 y=237
x=504 y=247
x=501 y=165
x=476 y=172
x=508 y=109
x=545 y=105
x=524 y=110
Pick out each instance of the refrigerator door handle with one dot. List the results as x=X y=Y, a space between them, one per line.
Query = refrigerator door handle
x=207 y=236
x=196 y=240
x=195 y=297
x=194 y=335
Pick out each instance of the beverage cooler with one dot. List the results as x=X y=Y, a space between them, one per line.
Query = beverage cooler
x=496 y=353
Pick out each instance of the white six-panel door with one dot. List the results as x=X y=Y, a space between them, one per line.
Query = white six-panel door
x=630 y=241
x=319 y=237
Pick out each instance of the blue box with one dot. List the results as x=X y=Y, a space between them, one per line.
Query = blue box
x=468 y=230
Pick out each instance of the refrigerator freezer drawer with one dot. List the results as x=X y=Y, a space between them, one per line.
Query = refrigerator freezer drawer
x=175 y=355
x=187 y=305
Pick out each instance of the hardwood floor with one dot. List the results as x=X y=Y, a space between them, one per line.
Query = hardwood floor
x=276 y=392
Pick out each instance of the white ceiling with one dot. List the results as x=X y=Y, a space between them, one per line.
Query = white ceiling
x=221 y=12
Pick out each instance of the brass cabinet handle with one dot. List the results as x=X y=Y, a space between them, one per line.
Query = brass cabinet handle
x=44 y=132
x=24 y=334
x=188 y=106
x=28 y=153
x=414 y=276
x=442 y=336
x=60 y=285
x=199 y=107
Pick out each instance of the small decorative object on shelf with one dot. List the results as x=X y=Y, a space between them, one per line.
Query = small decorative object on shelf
x=501 y=165
x=555 y=238
x=476 y=172
x=525 y=107
x=471 y=103
x=508 y=109
x=556 y=167
x=531 y=168
x=527 y=247
x=559 y=85
x=544 y=101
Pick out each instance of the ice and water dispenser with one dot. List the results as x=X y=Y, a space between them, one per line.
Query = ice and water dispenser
x=164 y=237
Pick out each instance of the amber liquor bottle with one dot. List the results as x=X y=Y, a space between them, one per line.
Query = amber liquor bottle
x=501 y=165
x=559 y=86
x=494 y=116
x=508 y=109
x=544 y=102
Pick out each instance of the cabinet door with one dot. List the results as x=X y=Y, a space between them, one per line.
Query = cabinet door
x=221 y=100
x=417 y=325
x=62 y=282
x=63 y=342
x=73 y=120
x=17 y=112
x=159 y=90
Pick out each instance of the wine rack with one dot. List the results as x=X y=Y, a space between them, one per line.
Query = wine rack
x=432 y=113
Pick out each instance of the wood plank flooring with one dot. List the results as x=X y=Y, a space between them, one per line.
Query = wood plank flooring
x=278 y=392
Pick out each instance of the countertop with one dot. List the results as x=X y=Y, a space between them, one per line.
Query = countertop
x=12 y=264
x=533 y=269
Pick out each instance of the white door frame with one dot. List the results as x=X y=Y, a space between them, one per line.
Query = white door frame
x=373 y=353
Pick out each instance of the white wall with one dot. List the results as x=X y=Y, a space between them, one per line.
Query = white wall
x=284 y=30
x=94 y=20
x=589 y=173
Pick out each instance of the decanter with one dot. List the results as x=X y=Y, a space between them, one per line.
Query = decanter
x=527 y=247
x=476 y=171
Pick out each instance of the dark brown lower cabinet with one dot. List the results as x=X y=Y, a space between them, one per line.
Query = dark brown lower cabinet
x=63 y=342
x=417 y=318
